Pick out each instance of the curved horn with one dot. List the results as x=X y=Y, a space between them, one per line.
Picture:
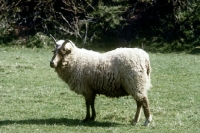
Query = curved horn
x=53 y=38
x=67 y=40
x=72 y=43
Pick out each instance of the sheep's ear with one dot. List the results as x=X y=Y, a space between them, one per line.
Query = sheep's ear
x=67 y=46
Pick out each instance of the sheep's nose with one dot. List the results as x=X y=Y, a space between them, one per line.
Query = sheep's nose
x=52 y=64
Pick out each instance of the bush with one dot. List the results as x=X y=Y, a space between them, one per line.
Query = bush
x=168 y=25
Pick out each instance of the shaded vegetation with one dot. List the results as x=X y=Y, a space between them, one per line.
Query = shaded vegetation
x=160 y=25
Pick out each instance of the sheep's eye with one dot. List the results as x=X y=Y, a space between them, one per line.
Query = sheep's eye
x=60 y=52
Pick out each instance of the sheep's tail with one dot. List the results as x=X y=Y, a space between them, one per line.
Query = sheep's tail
x=148 y=69
x=148 y=73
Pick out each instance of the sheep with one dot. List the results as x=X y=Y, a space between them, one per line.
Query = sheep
x=120 y=72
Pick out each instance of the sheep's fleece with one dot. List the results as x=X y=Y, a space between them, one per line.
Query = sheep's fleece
x=120 y=72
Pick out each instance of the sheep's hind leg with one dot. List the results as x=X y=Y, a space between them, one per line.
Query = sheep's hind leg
x=145 y=105
x=138 y=112
x=90 y=102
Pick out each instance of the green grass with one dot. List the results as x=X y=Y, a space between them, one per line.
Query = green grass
x=33 y=98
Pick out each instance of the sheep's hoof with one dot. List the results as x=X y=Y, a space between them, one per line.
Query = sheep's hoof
x=88 y=119
x=134 y=123
x=92 y=118
x=148 y=121
x=85 y=120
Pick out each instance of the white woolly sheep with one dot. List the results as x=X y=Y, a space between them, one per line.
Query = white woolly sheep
x=121 y=72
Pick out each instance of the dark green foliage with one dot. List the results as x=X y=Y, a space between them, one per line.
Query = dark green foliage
x=34 y=41
x=6 y=37
x=167 y=25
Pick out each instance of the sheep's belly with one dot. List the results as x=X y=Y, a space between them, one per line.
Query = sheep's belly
x=114 y=92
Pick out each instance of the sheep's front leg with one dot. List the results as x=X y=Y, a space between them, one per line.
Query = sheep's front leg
x=93 y=108
x=138 y=112
x=90 y=102
x=87 y=111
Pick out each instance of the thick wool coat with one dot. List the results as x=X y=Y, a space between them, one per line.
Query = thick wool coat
x=120 y=72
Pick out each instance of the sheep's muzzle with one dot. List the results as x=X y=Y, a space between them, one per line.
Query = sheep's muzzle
x=55 y=60
x=52 y=64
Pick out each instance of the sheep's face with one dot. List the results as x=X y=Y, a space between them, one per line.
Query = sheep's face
x=62 y=48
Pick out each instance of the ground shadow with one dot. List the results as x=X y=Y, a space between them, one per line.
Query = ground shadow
x=61 y=121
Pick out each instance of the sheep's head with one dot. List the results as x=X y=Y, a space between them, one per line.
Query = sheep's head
x=62 y=48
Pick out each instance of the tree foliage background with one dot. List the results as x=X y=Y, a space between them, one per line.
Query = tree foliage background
x=164 y=25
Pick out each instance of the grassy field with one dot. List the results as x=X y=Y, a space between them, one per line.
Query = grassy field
x=33 y=98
